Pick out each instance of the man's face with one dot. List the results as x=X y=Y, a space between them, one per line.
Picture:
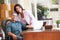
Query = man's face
x=14 y=17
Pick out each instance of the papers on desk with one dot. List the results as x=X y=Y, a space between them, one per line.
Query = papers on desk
x=38 y=25
x=56 y=29
x=34 y=31
x=0 y=38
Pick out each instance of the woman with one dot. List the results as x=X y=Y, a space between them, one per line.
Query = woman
x=24 y=16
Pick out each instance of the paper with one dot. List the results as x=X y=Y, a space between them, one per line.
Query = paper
x=0 y=38
x=35 y=31
x=38 y=25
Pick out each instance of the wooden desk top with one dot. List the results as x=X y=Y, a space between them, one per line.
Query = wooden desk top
x=41 y=35
x=39 y=31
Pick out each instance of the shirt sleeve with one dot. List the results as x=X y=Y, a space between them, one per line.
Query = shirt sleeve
x=8 y=27
x=32 y=18
x=23 y=26
x=30 y=14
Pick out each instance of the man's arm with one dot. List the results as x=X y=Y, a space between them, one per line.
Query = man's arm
x=10 y=33
x=24 y=27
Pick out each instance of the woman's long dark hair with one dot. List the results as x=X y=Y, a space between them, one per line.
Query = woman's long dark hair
x=16 y=6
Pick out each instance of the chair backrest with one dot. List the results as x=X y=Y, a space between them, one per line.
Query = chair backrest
x=3 y=24
x=4 y=27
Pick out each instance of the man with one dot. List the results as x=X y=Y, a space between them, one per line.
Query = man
x=14 y=28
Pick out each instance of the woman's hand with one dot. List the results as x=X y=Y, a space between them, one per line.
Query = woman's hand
x=29 y=26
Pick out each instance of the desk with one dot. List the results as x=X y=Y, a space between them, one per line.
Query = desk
x=38 y=35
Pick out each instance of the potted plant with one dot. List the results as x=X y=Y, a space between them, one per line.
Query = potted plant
x=58 y=23
x=42 y=12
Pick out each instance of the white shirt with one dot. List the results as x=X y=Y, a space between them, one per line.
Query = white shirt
x=28 y=17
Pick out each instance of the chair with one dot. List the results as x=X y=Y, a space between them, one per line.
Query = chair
x=4 y=27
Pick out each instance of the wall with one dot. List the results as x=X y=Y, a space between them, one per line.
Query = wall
x=26 y=4
x=54 y=15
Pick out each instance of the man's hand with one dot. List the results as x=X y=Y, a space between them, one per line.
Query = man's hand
x=14 y=37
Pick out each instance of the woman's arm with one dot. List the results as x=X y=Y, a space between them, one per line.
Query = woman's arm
x=32 y=19
x=24 y=27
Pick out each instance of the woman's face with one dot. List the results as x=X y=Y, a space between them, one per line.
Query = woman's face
x=18 y=9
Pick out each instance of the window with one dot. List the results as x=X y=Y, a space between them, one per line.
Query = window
x=41 y=12
x=55 y=1
x=1 y=1
x=13 y=1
